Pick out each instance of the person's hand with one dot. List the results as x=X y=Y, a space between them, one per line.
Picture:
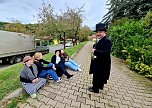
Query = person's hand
x=35 y=80
x=53 y=67
x=93 y=50
x=66 y=59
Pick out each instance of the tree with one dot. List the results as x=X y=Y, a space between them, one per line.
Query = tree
x=72 y=19
x=84 y=33
x=15 y=26
x=2 y=24
x=127 y=8
x=66 y=22
x=46 y=20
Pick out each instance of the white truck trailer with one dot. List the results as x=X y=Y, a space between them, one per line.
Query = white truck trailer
x=14 y=46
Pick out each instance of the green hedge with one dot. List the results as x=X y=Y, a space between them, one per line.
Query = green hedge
x=132 y=41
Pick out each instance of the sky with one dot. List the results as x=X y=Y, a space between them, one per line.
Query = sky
x=25 y=10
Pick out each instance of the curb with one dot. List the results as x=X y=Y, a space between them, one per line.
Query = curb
x=14 y=94
x=73 y=55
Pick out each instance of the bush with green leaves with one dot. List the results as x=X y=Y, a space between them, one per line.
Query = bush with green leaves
x=132 y=41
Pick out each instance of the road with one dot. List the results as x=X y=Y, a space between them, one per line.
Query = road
x=52 y=49
x=55 y=47
x=4 y=65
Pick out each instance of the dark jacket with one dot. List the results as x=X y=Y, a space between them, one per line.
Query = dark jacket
x=102 y=63
x=40 y=65
x=53 y=60
x=60 y=67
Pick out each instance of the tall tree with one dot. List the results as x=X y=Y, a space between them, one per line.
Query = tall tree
x=73 y=19
x=127 y=8
x=66 y=21
x=84 y=33
x=46 y=20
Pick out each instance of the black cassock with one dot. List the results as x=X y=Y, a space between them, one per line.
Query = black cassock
x=100 y=66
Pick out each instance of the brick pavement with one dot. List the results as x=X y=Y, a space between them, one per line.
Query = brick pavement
x=125 y=89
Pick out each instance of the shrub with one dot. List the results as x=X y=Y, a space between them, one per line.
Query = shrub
x=132 y=41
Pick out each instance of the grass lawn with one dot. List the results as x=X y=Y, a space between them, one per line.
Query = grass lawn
x=9 y=77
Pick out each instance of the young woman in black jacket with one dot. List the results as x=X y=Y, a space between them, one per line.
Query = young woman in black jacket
x=44 y=71
x=59 y=64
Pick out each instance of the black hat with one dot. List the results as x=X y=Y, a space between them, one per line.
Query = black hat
x=100 y=27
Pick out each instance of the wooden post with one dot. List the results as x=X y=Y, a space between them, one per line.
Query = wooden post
x=60 y=38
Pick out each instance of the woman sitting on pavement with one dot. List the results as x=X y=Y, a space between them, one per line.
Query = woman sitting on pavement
x=69 y=62
x=29 y=77
x=59 y=64
x=45 y=71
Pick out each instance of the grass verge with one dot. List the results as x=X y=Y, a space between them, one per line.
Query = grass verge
x=9 y=77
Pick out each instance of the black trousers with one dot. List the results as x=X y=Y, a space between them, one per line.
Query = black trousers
x=97 y=82
x=60 y=69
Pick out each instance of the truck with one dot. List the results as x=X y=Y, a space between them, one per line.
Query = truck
x=15 y=46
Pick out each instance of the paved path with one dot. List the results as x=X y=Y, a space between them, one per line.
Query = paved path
x=124 y=89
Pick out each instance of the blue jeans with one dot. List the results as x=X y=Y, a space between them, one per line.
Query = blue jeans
x=49 y=72
x=71 y=64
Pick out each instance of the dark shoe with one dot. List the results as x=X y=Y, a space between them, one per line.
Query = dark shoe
x=105 y=82
x=69 y=76
x=90 y=87
x=91 y=90
x=101 y=88
x=50 y=78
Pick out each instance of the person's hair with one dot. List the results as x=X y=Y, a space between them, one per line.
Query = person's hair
x=62 y=50
x=57 y=51
x=36 y=55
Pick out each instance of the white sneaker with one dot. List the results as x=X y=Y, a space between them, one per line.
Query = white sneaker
x=79 y=69
x=59 y=80
x=79 y=65
x=33 y=95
